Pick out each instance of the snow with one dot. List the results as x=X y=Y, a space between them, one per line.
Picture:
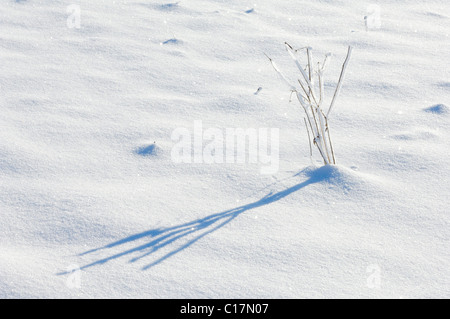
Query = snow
x=438 y=109
x=93 y=206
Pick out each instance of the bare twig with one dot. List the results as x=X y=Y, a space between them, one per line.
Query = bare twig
x=316 y=122
x=299 y=66
x=331 y=144
x=341 y=78
x=309 y=139
x=280 y=74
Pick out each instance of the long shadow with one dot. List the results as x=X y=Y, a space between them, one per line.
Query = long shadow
x=162 y=237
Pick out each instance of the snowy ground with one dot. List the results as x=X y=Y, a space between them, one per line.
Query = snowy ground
x=83 y=187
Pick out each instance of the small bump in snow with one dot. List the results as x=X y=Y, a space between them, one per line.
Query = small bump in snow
x=438 y=109
x=148 y=150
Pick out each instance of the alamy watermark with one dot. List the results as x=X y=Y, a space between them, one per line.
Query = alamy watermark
x=374 y=279
x=373 y=17
x=74 y=18
x=228 y=145
x=73 y=281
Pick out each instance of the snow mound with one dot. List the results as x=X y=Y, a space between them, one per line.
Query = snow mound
x=344 y=179
x=438 y=109
x=172 y=41
x=148 y=150
x=168 y=6
x=419 y=134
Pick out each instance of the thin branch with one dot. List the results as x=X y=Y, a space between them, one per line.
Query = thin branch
x=326 y=61
x=286 y=81
x=331 y=144
x=305 y=108
x=321 y=87
x=309 y=140
x=305 y=76
x=329 y=138
x=316 y=132
x=304 y=90
x=308 y=53
x=320 y=149
x=316 y=122
x=322 y=127
x=341 y=78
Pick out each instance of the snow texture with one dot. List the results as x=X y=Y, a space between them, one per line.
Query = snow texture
x=92 y=205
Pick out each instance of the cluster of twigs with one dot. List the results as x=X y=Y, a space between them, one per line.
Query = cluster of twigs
x=316 y=119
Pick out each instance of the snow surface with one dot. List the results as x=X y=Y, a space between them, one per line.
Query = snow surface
x=87 y=181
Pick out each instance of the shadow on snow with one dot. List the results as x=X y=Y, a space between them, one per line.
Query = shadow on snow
x=162 y=237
